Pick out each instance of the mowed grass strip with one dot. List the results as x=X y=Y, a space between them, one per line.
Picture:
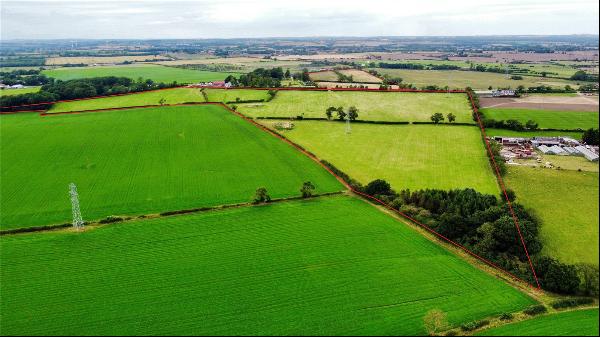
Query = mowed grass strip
x=142 y=161
x=171 y=96
x=546 y=118
x=407 y=156
x=570 y=323
x=380 y=106
x=326 y=266
x=567 y=203
x=156 y=73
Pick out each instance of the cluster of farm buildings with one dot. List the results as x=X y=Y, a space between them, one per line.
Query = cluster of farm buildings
x=214 y=84
x=14 y=86
x=524 y=148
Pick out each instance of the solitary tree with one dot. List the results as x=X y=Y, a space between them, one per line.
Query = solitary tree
x=437 y=117
x=329 y=112
x=307 y=189
x=162 y=101
x=261 y=196
x=352 y=113
x=435 y=321
x=531 y=125
x=340 y=113
x=451 y=117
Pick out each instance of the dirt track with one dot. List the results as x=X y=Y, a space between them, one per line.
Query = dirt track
x=564 y=103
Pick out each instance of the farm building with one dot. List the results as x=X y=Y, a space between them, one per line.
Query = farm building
x=548 y=141
x=587 y=153
x=504 y=93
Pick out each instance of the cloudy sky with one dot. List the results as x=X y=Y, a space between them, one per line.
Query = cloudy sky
x=27 y=19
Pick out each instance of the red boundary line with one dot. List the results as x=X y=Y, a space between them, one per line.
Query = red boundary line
x=341 y=180
x=503 y=187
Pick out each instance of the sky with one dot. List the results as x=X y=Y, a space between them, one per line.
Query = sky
x=143 y=19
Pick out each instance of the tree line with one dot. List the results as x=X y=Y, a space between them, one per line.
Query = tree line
x=81 y=88
x=482 y=223
x=25 y=77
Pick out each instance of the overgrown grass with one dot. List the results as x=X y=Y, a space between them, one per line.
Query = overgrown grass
x=142 y=161
x=407 y=156
x=326 y=266
x=567 y=203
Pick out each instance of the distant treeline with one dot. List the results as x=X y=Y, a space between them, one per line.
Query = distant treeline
x=266 y=78
x=25 y=77
x=80 y=88
x=22 y=61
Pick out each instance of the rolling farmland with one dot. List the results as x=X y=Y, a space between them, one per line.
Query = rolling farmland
x=570 y=323
x=381 y=106
x=567 y=203
x=546 y=118
x=407 y=156
x=332 y=265
x=154 y=72
x=142 y=161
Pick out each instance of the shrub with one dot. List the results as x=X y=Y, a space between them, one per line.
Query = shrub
x=572 y=302
x=474 y=325
x=261 y=196
x=535 y=310
x=378 y=187
x=507 y=316
x=111 y=219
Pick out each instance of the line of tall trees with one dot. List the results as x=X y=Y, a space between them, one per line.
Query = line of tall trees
x=80 y=88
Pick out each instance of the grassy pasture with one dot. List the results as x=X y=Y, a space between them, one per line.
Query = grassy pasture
x=102 y=59
x=385 y=106
x=570 y=323
x=474 y=79
x=567 y=203
x=326 y=266
x=227 y=95
x=546 y=118
x=172 y=96
x=512 y=133
x=154 y=72
x=142 y=161
x=11 y=92
x=331 y=76
x=407 y=156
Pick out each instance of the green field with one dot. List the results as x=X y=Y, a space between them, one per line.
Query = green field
x=142 y=161
x=511 y=133
x=12 y=92
x=570 y=323
x=326 y=266
x=382 y=106
x=567 y=203
x=474 y=79
x=147 y=71
x=172 y=96
x=408 y=156
x=230 y=95
x=546 y=118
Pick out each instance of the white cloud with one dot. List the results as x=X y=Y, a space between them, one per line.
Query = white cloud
x=268 y=18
